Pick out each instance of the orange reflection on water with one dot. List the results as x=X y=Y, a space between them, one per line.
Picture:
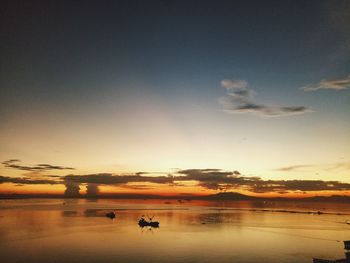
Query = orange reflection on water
x=76 y=230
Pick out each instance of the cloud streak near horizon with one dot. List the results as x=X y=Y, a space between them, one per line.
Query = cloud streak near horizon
x=239 y=99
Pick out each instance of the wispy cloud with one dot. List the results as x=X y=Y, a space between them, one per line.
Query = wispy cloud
x=15 y=164
x=294 y=167
x=335 y=84
x=325 y=167
x=240 y=99
x=339 y=166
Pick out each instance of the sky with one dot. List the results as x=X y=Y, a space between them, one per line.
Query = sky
x=175 y=97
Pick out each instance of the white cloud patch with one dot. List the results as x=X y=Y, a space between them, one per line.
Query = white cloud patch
x=240 y=99
x=335 y=84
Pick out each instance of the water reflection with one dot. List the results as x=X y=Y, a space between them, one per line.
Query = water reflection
x=196 y=231
x=95 y=212
x=69 y=213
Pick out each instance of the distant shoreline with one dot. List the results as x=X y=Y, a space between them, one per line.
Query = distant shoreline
x=228 y=196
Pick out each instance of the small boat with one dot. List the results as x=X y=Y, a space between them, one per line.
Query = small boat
x=144 y=223
x=111 y=215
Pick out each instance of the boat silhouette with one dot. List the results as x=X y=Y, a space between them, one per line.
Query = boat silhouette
x=111 y=215
x=143 y=222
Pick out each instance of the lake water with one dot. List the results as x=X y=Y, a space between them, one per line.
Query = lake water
x=76 y=230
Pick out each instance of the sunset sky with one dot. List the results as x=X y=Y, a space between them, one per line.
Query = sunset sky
x=175 y=97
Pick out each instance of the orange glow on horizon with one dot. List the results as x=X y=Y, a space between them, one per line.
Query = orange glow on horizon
x=166 y=191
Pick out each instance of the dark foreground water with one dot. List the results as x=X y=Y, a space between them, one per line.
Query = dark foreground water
x=57 y=230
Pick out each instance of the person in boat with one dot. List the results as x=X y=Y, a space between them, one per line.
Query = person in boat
x=142 y=220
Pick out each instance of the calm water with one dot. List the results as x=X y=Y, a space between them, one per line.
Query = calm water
x=56 y=230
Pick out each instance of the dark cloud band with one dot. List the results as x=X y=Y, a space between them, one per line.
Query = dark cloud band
x=215 y=179
x=15 y=164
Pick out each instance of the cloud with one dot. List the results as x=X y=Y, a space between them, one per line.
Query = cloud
x=294 y=167
x=339 y=166
x=111 y=179
x=26 y=180
x=14 y=164
x=335 y=84
x=214 y=179
x=325 y=167
x=92 y=190
x=138 y=186
x=234 y=84
x=262 y=186
x=223 y=180
x=239 y=99
x=217 y=179
x=72 y=189
x=72 y=182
